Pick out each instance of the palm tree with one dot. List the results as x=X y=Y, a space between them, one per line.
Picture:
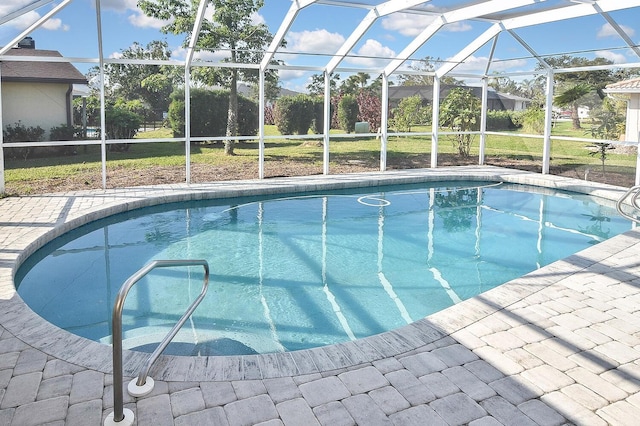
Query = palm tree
x=570 y=98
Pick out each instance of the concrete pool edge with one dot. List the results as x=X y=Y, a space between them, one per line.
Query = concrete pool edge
x=78 y=208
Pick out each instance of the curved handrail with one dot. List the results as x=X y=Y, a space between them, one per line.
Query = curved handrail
x=635 y=203
x=118 y=409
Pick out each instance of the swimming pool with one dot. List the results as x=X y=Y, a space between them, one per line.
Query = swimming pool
x=308 y=270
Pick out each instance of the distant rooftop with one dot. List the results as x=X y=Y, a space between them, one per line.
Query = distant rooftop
x=40 y=71
x=625 y=86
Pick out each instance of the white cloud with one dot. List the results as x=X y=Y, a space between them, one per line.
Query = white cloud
x=119 y=5
x=411 y=25
x=256 y=19
x=291 y=75
x=616 y=58
x=140 y=20
x=300 y=88
x=55 y=24
x=25 y=20
x=317 y=41
x=479 y=63
x=607 y=31
x=370 y=54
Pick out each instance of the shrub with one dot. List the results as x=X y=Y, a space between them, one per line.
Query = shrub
x=517 y=118
x=121 y=123
x=348 y=113
x=533 y=120
x=410 y=112
x=294 y=114
x=209 y=110
x=318 y=115
x=460 y=111
x=91 y=109
x=370 y=109
x=65 y=133
x=269 y=117
x=18 y=132
x=500 y=120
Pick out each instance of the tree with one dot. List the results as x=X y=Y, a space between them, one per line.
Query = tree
x=427 y=65
x=316 y=86
x=460 y=111
x=571 y=98
x=355 y=83
x=230 y=28
x=271 y=90
x=609 y=119
x=571 y=84
x=504 y=85
x=348 y=113
x=409 y=112
x=533 y=89
x=151 y=84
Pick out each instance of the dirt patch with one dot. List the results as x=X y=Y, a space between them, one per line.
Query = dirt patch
x=121 y=177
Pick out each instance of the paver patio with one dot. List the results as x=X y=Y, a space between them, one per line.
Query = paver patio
x=558 y=346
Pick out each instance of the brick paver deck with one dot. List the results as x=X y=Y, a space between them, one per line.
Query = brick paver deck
x=558 y=346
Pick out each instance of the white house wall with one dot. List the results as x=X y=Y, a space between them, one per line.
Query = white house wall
x=34 y=104
x=633 y=118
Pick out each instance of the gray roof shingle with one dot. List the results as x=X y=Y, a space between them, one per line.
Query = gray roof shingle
x=47 y=72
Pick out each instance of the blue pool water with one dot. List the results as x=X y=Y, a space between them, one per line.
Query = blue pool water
x=305 y=270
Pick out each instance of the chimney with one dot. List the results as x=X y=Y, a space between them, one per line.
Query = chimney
x=27 y=43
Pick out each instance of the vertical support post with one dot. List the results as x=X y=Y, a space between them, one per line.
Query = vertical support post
x=483 y=119
x=103 y=119
x=261 y=105
x=435 y=122
x=187 y=121
x=327 y=122
x=637 y=161
x=2 y=186
x=384 y=121
x=546 y=150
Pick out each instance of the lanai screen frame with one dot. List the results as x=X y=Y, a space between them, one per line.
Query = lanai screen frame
x=502 y=13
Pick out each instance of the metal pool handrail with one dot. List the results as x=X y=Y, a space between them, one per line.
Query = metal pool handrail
x=118 y=409
x=635 y=203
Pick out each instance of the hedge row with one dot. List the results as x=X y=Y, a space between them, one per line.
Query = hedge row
x=209 y=110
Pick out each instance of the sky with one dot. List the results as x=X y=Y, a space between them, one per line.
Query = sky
x=319 y=30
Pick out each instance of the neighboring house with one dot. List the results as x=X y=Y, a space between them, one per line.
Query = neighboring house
x=630 y=91
x=37 y=93
x=495 y=101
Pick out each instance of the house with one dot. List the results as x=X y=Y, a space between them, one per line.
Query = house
x=630 y=91
x=37 y=92
x=495 y=101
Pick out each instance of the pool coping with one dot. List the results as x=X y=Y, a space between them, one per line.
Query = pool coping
x=21 y=239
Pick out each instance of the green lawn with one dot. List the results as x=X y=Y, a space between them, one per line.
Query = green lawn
x=402 y=152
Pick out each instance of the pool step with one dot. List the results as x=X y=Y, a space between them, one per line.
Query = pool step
x=190 y=343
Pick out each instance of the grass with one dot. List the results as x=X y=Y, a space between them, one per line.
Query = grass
x=403 y=151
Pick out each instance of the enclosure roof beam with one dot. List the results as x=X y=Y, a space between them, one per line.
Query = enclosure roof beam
x=34 y=26
x=287 y=21
x=456 y=15
x=491 y=54
x=530 y=49
x=202 y=7
x=383 y=9
x=476 y=44
x=553 y=15
x=28 y=8
x=621 y=32
x=574 y=11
